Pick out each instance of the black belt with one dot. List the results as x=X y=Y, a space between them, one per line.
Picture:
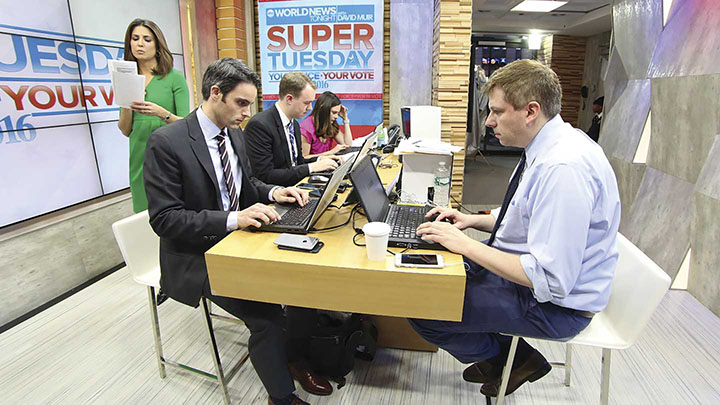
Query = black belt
x=586 y=314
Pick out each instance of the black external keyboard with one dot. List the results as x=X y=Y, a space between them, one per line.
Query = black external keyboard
x=405 y=219
x=298 y=215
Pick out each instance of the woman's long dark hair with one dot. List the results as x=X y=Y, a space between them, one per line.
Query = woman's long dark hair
x=162 y=52
x=324 y=127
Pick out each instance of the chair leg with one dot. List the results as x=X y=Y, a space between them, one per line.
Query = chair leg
x=156 y=330
x=605 y=379
x=216 y=355
x=568 y=363
x=506 y=370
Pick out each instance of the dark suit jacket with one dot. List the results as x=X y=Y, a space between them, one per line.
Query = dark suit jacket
x=185 y=205
x=268 y=150
x=594 y=130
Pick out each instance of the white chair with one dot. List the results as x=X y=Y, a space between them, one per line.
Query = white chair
x=637 y=290
x=140 y=247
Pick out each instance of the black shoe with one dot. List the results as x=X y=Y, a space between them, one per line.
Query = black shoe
x=161 y=297
x=482 y=372
x=532 y=369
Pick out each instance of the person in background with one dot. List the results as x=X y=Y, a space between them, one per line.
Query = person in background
x=166 y=98
x=273 y=135
x=550 y=261
x=594 y=130
x=320 y=127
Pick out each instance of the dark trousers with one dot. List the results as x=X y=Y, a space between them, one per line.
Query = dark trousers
x=267 y=340
x=494 y=305
x=301 y=324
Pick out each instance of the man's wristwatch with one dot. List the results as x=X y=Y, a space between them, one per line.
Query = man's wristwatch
x=167 y=117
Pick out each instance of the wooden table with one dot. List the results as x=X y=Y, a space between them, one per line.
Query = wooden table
x=248 y=265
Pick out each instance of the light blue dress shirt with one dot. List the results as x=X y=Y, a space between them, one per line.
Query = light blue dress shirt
x=210 y=131
x=563 y=219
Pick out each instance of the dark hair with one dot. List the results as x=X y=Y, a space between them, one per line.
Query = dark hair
x=324 y=127
x=599 y=101
x=294 y=83
x=227 y=73
x=162 y=52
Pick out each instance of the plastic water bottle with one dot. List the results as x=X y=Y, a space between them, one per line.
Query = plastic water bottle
x=442 y=185
x=381 y=137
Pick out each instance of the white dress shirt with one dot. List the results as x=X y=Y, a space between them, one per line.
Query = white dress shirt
x=292 y=146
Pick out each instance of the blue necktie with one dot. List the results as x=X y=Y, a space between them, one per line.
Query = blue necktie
x=291 y=131
x=512 y=188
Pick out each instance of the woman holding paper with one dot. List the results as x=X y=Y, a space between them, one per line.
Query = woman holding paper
x=320 y=127
x=166 y=97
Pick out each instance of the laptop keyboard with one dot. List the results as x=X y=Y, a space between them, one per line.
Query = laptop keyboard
x=405 y=219
x=298 y=215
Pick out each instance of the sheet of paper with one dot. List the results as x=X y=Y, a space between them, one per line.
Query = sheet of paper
x=128 y=85
x=423 y=146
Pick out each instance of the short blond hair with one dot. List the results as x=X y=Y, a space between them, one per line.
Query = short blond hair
x=294 y=83
x=528 y=80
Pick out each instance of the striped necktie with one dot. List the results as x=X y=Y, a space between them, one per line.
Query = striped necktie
x=291 y=131
x=227 y=173
x=512 y=188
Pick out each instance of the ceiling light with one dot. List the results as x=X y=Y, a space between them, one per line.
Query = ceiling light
x=538 y=6
x=535 y=40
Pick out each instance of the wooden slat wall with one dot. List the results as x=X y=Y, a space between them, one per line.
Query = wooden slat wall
x=231 y=41
x=568 y=61
x=451 y=91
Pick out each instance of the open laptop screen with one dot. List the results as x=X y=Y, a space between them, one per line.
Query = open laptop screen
x=367 y=184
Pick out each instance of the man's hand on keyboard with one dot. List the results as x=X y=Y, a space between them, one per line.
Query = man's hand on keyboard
x=324 y=164
x=461 y=221
x=289 y=195
x=255 y=214
x=445 y=234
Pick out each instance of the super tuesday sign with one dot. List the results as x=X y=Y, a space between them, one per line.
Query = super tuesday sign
x=329 y=43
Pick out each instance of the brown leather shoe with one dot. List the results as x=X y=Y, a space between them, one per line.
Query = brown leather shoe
x=295 y=401
x=482 y=372
x=532 y=369
x=314 y=384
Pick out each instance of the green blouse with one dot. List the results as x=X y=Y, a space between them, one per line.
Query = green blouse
x=171 y=93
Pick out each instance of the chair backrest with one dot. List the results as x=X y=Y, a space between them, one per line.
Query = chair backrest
x=637 y=290
x=139 y=244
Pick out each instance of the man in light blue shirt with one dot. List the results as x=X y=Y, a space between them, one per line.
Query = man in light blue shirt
x=550 y=260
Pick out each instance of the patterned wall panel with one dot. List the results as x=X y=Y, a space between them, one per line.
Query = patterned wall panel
x=629 y=177
x=690 y=42
x=616 y=78
x=660 y=218
x=709 y=181
x=704 y=277
x=685 y=121
x=636 y=27
x=622 y=125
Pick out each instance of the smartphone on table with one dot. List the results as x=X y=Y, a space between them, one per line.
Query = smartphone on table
x=424 y=260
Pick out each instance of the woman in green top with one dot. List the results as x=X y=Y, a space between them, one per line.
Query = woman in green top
x=166 y=98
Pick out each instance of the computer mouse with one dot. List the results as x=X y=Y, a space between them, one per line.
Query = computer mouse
x=435 y=216
x=318 y=179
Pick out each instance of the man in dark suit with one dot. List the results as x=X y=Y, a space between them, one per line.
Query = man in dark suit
x=594 y=130
x=273 y=136
x=200 y=187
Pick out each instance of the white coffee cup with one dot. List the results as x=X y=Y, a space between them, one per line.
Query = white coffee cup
x=376 y=240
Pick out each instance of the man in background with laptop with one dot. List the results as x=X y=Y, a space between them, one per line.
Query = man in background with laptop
x=550 y=260
x=274 y=143
x=200 y=187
